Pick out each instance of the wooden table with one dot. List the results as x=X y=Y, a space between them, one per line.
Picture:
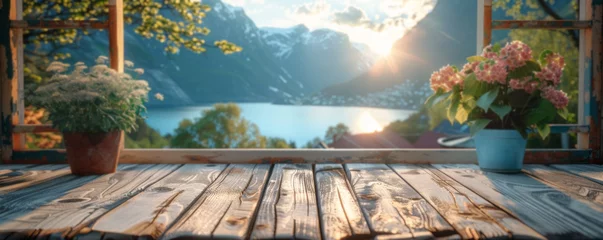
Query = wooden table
x=301 y=201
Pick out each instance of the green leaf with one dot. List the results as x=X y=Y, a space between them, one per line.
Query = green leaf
x=487 y=99
x=455 y=101
x=519 y=99
x=437 y=97
x=468 y=103
x=525 y=71
x=543 y=56
x=462 y=115
x=477 y=125
x=544 y=113
x=476 y=59
x=564 y=113
x=544 y=130
x=496 y=47
x=473 y=87
x=501 y=110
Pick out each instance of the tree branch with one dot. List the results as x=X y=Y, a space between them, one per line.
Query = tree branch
x=547 y=8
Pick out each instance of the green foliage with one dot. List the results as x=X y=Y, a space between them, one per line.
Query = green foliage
x=546 y=41
x=501 y=104
x=219 y=127
x=223 y=127
x=98 y=100
x=334 y=133
x=412 y=127
x=276 y=142
x=477 y=125
x=484 y=101
x=175 y=23
x=314 y=142
x=145 y=137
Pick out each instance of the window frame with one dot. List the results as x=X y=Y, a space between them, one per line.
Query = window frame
x=588 y=127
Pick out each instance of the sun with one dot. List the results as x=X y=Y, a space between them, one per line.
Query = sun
x=366 y=123
x=381 y=49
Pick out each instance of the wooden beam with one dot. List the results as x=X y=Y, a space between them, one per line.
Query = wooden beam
x=596 y=119
x=58 y=24
x=534 y=24
x=34 y=128
x=116 y=35
x=584 y=74
x=17 y=80
x=487 y=22
x=6 y=84
x=410 y=156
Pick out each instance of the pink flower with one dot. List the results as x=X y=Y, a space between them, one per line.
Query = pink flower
x=516 y=84
x=516 y=54
x=530 y=87
x=557 y=97
x=525 y=84
x=492 y=72
x=488 y=53
x=553 y=70
x=469 y=67
x=446 y=78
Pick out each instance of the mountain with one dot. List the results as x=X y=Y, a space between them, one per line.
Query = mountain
x=319 y=58
x=444 y=36
x=313 y=60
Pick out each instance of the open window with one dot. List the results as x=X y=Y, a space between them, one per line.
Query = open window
x=295 y=82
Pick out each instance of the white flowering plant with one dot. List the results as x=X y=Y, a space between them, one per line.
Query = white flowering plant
x=503 y=88
x=95 y=99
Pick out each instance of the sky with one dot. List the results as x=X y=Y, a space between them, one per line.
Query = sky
x=376 y=23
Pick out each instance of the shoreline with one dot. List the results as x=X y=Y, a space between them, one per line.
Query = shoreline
x=164 y=106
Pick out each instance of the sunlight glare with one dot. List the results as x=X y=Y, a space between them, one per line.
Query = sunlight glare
x=367 y=124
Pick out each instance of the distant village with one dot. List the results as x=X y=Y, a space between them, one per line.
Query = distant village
x=408 y=95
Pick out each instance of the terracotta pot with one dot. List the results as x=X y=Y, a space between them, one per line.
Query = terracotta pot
x=93 y=153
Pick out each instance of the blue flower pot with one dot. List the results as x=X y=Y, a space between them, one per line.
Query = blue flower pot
x=500 y=150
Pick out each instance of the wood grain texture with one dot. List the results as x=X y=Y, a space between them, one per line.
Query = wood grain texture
x=390 y=205
x=66 y=207
x=226 y=208
x=25 y=177
x=151 y=212
x=7 y=168
x=288 y=209
x=339 y=210
x=578 y=187
x=552 y=213
x=590 y=171
x=318 y=156
x=468 y=213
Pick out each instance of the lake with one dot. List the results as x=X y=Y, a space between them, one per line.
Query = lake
x=297 y=123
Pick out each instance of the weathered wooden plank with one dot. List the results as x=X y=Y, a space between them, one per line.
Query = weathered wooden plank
x=316 y=156
x=116 y=34
x=226 y=208
x=576 y=186
x=7 y=168
x=468 y=213
x=59 y=24
x=339 y=210
x=151 y=212
x=34 y=128
x=391 y=205
x=541 y=24
x=68 y=207
x=26 y=177
x=590 y=171
x=288 y=209
x=550 y=212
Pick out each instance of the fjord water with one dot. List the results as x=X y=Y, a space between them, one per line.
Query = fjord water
x=294 y=123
